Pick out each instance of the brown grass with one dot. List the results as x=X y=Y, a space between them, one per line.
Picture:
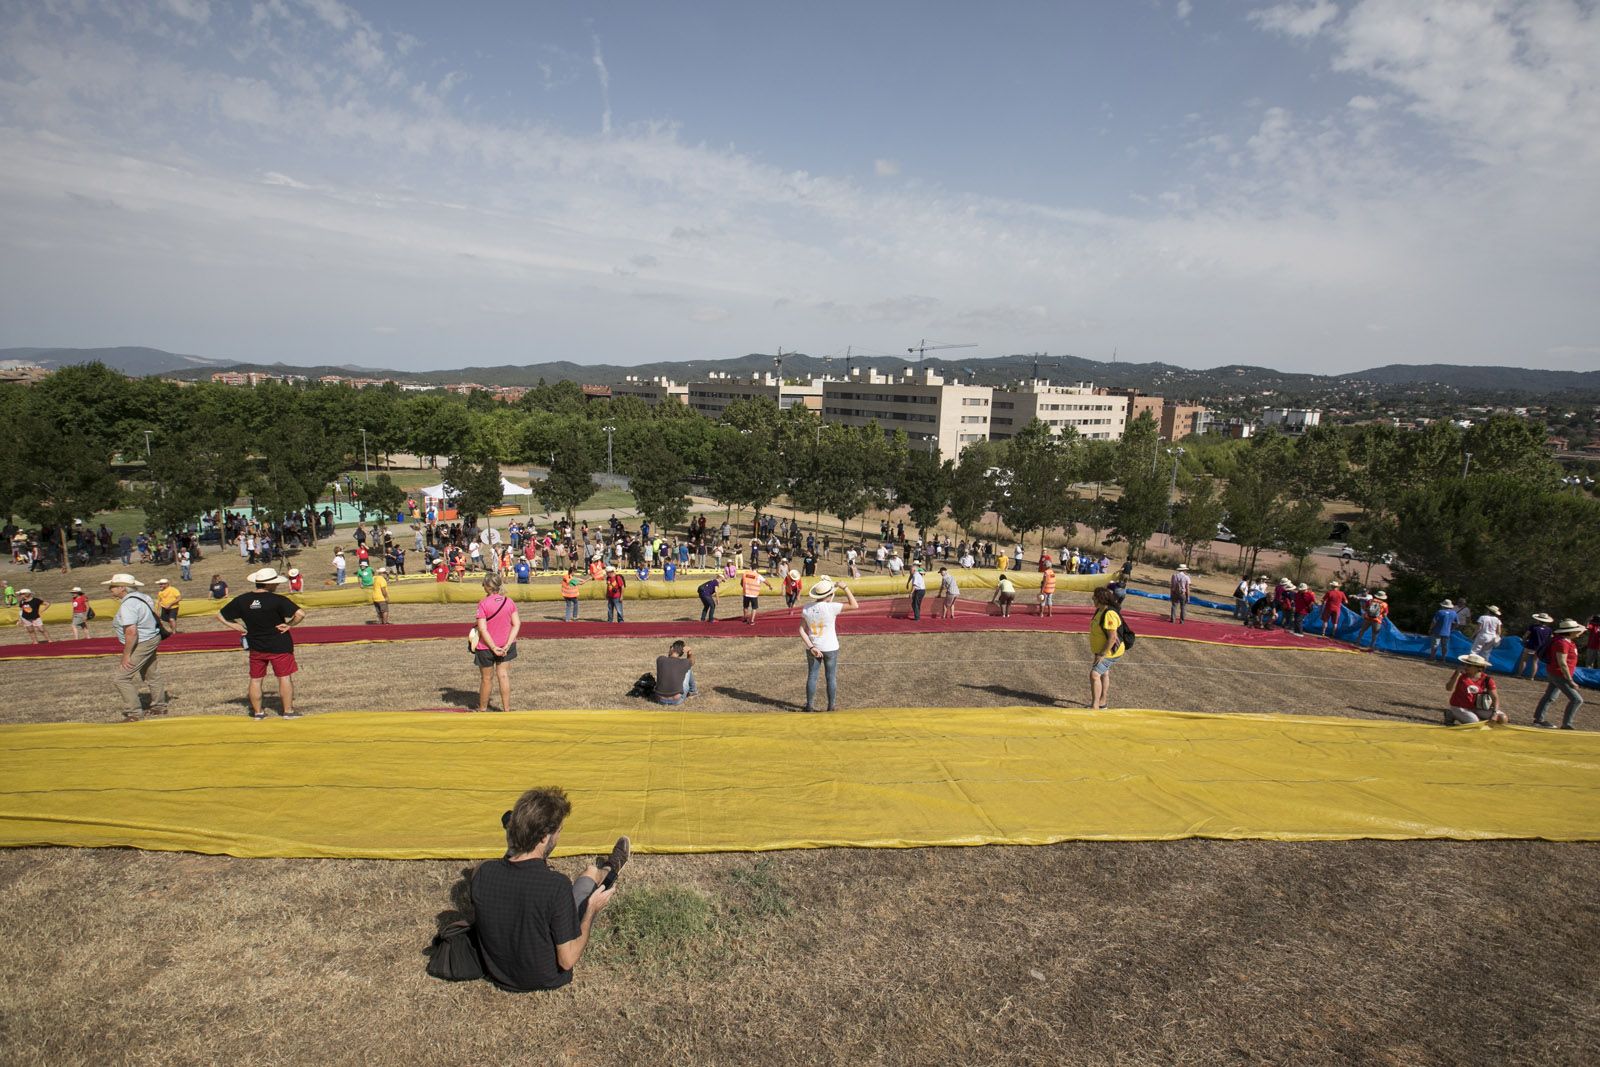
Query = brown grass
x=1187 y=952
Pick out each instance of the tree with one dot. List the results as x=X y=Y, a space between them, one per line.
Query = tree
x=742 y=471
x=923 y=486
x=204 y=470
x=1038 y=476
x=1322 y=463
x=1144 y=503
x=1255 y=499
x=1195 y=519
x=569 y=483
x=383 y=497
x=437 y=427
x=1301 y=529
x=969 y=487
x=659 y=479
x=302 y=455
x=473 y=479
x=49 y=477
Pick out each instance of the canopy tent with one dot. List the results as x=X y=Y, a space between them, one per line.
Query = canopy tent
x=444 y=490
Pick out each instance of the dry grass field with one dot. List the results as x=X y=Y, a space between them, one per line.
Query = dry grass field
x=1186 y=952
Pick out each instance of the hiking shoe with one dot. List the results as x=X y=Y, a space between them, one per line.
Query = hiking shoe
x=258 y=715
x=129 y=716
x=619 y=855
x=1568 y=726
x=1544 y=724
x=291 y=715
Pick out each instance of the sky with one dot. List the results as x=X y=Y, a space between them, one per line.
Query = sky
x=1312 y=185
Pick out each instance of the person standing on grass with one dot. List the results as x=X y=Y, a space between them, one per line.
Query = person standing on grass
x=1560 y=660
x=1591 y=643
x=1178 y=593
x=675 y=675
x=949 y=593
x=1535 y=639
x=820 y=633
x=530 y=923
x=378 y=588
x=569 y=594
x=615 y=585
x=167 y=599
x=1440 y=629
x=1105 y=645
x=751 y=584
x=185 y=562
x=338 y=567
x=80 y=614
x=265 y=619
x=30 y=615
x=1487 y=637
x=1373 y=612
x=497 y=627
x=1472 y=693
x=137 y=624
x=1047 y=591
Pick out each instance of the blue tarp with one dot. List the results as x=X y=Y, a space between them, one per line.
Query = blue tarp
x=1393 y=639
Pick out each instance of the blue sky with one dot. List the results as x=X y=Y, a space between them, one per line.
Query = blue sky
x=1308 y=184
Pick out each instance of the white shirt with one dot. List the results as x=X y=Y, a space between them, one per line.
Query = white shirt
x=338 y=563
x=136 y=610
x=918 y=581
x=818 y=620
x=883 y=553
x=948 y=586
x=1488 y=627
x=895 y=565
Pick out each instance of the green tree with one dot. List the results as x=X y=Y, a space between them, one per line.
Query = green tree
x=923 y=486
x=474 y=481
x=437 y=426
x=1195 y=519
x=1036 y=476
x=203 y=471
x=302 y=455
x=742 y=471
x=659 y=480
x=1145 y=482
x=569 y=482
x=1322 y=463
x=1300 y=530
x=49 y=477
x=383 y=496
x=970 y=487
x=1256 y=499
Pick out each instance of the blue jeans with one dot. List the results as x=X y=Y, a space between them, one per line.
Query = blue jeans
x=186 y=575
x=688 y=691
x=613 y=609
x=829 y=661
x=569 y=607
x=1566 y=689
x=708 y=609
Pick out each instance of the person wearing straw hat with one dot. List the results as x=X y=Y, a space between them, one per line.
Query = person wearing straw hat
x=1535 y=639
x=1487 y=636
x=1304 y=602
x=1472 y=693
x=167 y=599
x=265 y=618
x=30 y=615
x=1333 y=602
x=821 y=637
x=80 y=614
x=1440 y=629
x=139 y=627
x=1560 y=660
x=1373 y=612
x=791 y=588
x=1178 y=594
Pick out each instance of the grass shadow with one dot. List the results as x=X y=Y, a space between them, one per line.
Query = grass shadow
x=1013 y=694
x=755 y=698
x=459 y=698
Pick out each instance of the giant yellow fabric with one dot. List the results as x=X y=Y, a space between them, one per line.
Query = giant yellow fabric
x=427 y=591
x=418 y=785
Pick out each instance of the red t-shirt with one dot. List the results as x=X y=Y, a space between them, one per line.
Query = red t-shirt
x=1333 y=602
x=361 y=553
x=441 y=570
x=80 y=604
x=1465 y=694
x=1304 y=601
x=614 y=584
x=1594 y=635
x=1561 y=648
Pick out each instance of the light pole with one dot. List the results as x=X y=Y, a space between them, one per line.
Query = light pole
x=365 y=470
x=1172 y=488
x=609 y=431
x=1467 y=466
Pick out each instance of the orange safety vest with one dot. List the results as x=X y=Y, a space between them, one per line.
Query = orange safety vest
x=752 y=583
x=1048 y=583
x=569 y=587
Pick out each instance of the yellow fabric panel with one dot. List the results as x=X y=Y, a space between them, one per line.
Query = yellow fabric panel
x=425 y=590
x=418 y=785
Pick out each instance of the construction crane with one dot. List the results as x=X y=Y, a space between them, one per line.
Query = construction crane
x=923 y=348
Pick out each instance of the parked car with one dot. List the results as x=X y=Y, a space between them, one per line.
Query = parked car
x=1223 y=533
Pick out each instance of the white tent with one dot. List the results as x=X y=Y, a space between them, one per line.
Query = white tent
x=443 y=491
x=509 y=488
x=436 y=491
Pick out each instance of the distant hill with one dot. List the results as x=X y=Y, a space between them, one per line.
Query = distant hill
x=134 y=362
x=1163 y=379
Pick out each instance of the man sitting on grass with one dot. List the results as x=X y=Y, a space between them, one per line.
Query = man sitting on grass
x=532 y=924
x=675 y=675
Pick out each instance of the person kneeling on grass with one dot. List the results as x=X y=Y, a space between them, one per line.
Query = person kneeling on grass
x=532 y=925
x=1473 y=696
x=675 y=675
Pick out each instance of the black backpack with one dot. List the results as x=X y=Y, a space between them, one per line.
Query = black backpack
x=1125 y=632
x=645 y=687
x=453 y=954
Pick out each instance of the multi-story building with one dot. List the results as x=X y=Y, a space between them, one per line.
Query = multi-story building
x=651 y=390
x=1095 y=414
x=712 y=397
x=936 y=417
x=1181 y=420
x=1291 y=420
x=1235 y=428
x=1139 y=404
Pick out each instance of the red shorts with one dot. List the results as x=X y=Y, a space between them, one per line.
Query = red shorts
x=282 y=664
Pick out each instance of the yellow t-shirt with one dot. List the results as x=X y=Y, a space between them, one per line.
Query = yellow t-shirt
x=1101 y=630
x=168 y=598
x=380 y=589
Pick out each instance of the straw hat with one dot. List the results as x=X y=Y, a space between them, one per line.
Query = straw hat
x=1333 y=585
x=823 y=589
x=1447 y=603
x=1381 y=595
x=376 y=570
x=1569 y=626
x=1540 y=616
x=24 y=592
x=1302 y=587
x=265 y=576
x=294 y=572
x=1473 y=660
x=1492 y=610
x=74 y=589
x=162 y=581
x=1183 y=566
x=794 y=576
x=120 y=578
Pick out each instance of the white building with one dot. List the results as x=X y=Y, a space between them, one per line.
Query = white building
x=710 y=398
x=936 y=417
x=651 y=390
x=1095 y=417
x=1291 y=420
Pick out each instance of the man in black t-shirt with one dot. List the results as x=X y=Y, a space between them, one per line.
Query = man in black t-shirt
x=265 y=619
x=532 y=925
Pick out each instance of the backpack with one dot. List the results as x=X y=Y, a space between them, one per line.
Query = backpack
x=1373 y=609
x=645 y=687
x=453 y=954
x=1125 y=632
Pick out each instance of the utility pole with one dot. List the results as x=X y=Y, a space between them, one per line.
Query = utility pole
x=1467 y=466
x=366 y=471
x=609 y=429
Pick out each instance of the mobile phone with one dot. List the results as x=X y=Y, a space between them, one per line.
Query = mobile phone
x=611 y=878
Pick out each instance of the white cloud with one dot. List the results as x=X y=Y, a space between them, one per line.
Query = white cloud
x=1185 y=8
x=711 y=314
x=1297 y=18
x=885 y=168
x=1363 y=103
x=605 y=87
x=194 y=10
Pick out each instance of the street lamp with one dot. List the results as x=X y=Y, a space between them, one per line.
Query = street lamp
x=366 y=471
x=609 y=431
x=1467 y=466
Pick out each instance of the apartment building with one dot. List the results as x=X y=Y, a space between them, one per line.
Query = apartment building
x=712 y=397
x=1291 y=420
x=936 y=416
x=1181 y=420
x=652 y=390
x=1095 y=414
